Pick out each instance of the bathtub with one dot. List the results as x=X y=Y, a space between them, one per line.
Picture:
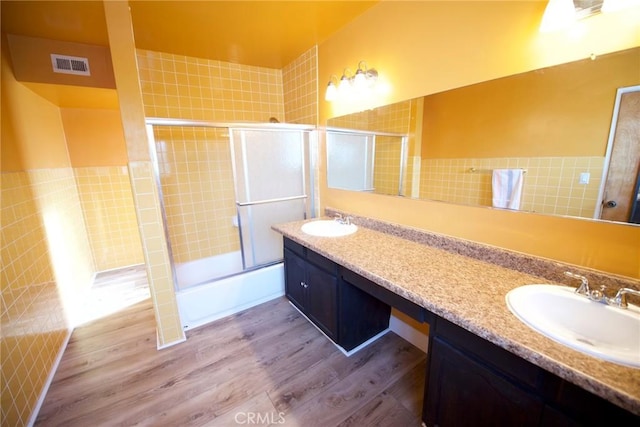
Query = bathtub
x=205 y=270
x=200 y=303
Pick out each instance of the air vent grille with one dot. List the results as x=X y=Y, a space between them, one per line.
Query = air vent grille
x=70 y=65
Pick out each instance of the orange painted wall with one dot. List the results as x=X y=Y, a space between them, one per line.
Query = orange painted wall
x=533 y=114
x=421 y=48
x=94 y=137
x=32 y=132
x=427 y=47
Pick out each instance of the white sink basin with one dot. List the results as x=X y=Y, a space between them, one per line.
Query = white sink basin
x=603 y=331
x=328 y=228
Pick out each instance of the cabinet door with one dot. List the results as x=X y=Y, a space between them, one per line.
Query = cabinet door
x=321 y=300
x=462 y=392
x=294 y=279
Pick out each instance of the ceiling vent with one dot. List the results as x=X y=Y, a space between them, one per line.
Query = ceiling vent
x=70 y=65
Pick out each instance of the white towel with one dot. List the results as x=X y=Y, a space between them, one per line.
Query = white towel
x=507 y=188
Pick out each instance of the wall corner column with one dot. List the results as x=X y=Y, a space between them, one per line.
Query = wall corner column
x=141 y=171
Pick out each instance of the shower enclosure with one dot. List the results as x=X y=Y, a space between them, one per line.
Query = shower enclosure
x=222 y=186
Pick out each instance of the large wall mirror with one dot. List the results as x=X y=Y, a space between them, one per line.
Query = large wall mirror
x=558 y=139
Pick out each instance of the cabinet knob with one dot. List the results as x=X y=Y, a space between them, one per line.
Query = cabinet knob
x=304 y=285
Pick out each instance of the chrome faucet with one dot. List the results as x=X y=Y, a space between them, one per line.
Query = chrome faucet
x=620 y=300
x=583 y=289
x=343 y=220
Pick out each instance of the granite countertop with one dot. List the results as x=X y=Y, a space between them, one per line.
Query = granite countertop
x=470 y=293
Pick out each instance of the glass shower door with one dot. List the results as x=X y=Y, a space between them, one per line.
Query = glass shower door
x=269 y=168
x=350 y=160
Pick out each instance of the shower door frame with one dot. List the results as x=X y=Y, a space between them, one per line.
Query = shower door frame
x=404 y=142
x=309 y=162
x=306 y=185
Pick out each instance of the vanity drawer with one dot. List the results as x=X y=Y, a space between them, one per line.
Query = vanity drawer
x=322 y=262
x=295 y=247
x=509 y=364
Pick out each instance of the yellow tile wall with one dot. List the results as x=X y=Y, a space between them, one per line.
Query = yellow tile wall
x=300 y=87
x=392 y=118
x=193 y=88
x=195 y=165
x=46 y=267
x=389 y=118
x=161 y=284
x=359 y=121
x=24 y=246
x=198 y=191
x=386 y=176
x=107 y=204
x=550 y=185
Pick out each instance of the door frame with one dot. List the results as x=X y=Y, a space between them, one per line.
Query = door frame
x=612 y=133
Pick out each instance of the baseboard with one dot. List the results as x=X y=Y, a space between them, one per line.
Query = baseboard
x=410 y=330
x=47 y=384
x=171 y=344
x=345 y=352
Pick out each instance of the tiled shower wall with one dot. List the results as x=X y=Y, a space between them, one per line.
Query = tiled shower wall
x=195 y=164
x=197 y=182
x=107 y=204
x=386 y=172
x=46 y=263
x=550 y=184
x=183 y=87
x=300 y=87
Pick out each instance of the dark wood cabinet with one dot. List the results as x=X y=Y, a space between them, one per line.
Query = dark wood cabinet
x=472 y=382
x=294 y=279
x=321 y=304
x=313 y=291
x=346 y=314
x=469 y=380
x=463 y=392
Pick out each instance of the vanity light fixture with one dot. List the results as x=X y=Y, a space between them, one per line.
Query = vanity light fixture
x=332 y=90
x=616 y=5
x=345 y=83
x=560 y=14
x=350 y=83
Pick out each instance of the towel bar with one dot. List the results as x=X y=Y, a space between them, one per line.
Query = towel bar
x=474 y=170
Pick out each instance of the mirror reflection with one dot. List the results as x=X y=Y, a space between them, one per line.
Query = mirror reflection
x=551 y=126
x=371 y=161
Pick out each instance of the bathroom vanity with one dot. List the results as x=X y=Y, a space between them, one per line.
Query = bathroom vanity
x=484 y=365
x=316 y=287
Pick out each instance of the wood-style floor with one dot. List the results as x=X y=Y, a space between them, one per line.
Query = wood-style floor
x=264 y=366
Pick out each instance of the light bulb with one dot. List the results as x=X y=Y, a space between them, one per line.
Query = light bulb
x=345 y=86
x=558 y=15
x=331 y=93
x=360 y=80
x=617 y=5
